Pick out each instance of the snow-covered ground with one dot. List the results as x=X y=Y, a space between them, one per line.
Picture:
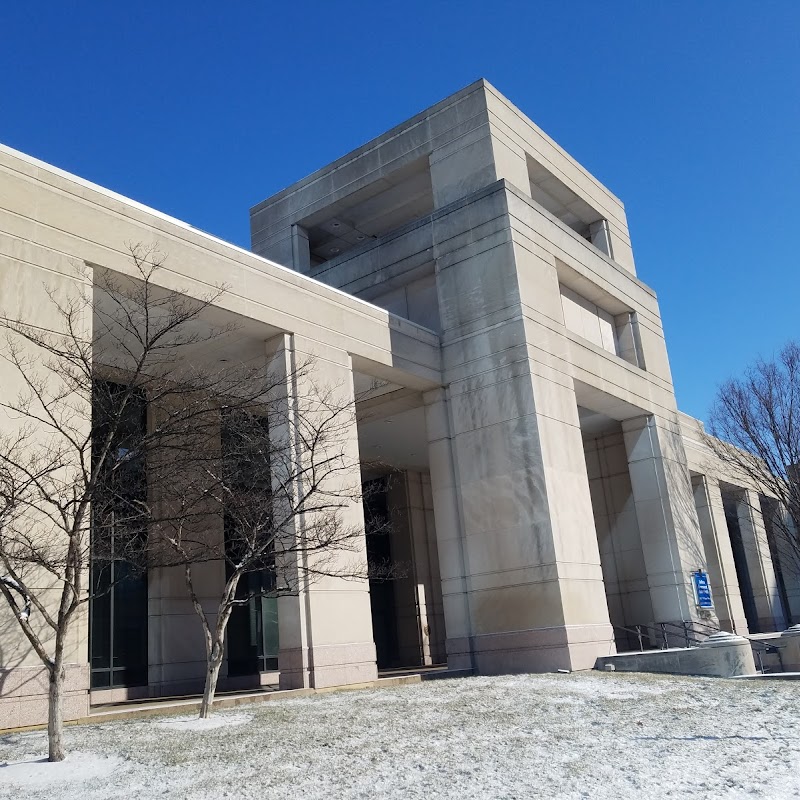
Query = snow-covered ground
x=588 y=735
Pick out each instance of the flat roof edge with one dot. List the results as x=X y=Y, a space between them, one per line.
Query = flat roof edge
x=480 y=83
x=394 y=320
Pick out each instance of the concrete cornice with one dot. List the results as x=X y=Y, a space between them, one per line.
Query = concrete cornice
x=103 y=195
x=625 y=273
x=452 y=99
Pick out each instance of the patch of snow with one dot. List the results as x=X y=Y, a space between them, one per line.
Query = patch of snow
x=33 y=772
x=209 y=724
x=599 y=688
x=604 y=736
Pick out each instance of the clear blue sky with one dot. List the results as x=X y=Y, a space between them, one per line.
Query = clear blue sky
x=689 y=111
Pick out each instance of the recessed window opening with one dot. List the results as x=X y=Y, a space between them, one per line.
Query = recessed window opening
x=370 y=212
x=118 y=609
x=569 y=207
x=617 y=333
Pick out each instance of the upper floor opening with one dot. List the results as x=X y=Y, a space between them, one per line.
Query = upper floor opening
x=387 y=204
x=564 y=204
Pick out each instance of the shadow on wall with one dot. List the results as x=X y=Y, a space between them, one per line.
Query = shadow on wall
x=636 y=541
x=15 y=652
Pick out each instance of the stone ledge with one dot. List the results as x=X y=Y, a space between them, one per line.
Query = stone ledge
x=722 y=655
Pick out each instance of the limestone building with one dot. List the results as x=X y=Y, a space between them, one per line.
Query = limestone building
x=524 y=437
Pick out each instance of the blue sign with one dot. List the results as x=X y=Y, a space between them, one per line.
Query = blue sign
x=702 y=589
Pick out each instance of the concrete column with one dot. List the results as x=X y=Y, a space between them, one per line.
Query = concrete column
x=447 y=513
x=719 y=555
x=519 y=539
x=175 y=646
x=766 y=593
x=619 y=540
x=175 y=642
x=782 y=540
x=418 y=593
x=671 y=541
x=325 y=627
x=423 y=530
x=600 y=237
x=518 y=550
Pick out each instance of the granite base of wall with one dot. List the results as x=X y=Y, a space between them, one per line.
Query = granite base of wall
x=568 y=647
x=23 y=695
x=327 y=665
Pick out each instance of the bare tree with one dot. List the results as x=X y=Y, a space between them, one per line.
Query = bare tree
x=283 y=475
x=755 y=431
x=134 y=439
x=73 y=472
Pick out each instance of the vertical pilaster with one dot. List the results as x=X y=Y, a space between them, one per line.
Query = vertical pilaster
x=417 y=594
x=325 y=627
x=524 y=549
x=671 y=540
x=521 y=576
x=786 y=539
x=426 y=567
x=447 y=513
x=719 y=555
x=763 y=581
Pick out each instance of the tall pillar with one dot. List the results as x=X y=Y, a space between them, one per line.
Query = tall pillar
x=176 y=645
x=719 y=555
x=619 y=540
x=788 y=557
x=518 y=550
x=521 y=577
x=447 y=513
x=766 y=594
x=671 y=541
x=418 y=592
x=426 y=556
x=325 y=627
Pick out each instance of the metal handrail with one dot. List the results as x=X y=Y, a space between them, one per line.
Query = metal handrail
x=684 y=627
x=755 y=642
x=661 y=633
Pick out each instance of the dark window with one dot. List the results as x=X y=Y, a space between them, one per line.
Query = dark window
x=253 y=628
x=118 y=609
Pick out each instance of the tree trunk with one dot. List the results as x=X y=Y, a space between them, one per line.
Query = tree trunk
x=212 y=675
x=55 y=707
